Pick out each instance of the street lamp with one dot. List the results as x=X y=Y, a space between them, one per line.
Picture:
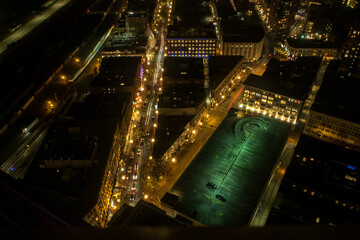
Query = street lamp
x=155 y=125
x=173 y=160
x=193 y=131
x=153 y=140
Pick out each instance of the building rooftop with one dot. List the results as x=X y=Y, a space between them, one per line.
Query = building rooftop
x=220 y=67
x=64 y=140
x=228 y=9
x=291 y=79
x=117 y=72
x=338 y=96
x=309 y=43
x=224 y=182
x=321 y=182
x=170 y=127
x=194 y=22
x=143 y=214
x=179 y=67
x=72 y=192
x=236 y=30
x=183 y=82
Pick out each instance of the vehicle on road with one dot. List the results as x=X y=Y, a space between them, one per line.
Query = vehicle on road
x=135 y=176
x=133 y=188
x=132 y=155
x=136 y=167
x=129 y=169
x=138 y=151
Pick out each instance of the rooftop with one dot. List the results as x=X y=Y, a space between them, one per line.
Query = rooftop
x=179 y=67
x=170 y=127
x=72 y=192
x=228 y=9
x=236 y=30
x=64 y=140
x=117 y=71
x=183 y=82
x=308 y=43
x=143 y=214
x=338 y=96
x=291 y=79
x=220 y=67
x=194 y=22
x=321 y=182
x=223 y=184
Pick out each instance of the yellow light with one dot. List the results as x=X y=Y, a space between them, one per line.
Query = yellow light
x=146 y=196
x=207 y=115
x=148 y=177
x=173 y=160
x=131 y=141
x=155 y=125
x=77 y=60
x=123 y=177
x=222 y=96
x=193 y=131
x=159 y=89
x=150 y=157
x=137 y=112
x=156 y=111
x=153 y=140
x=63 y=77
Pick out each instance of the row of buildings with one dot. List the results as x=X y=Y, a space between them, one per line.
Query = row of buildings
x=215 y=28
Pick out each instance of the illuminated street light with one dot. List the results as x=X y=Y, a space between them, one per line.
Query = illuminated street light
x=123 y=177
x=77 y=60
x=131 y=141
x=146 y=196
x=148 y=177
x=137 y=112
x=155 y=125
x=193 y=131
x=150 y=157
x=173 y=160
x=153 y=140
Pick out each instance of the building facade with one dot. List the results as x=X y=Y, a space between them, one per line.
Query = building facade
x=296 y=49
x=258 y=101
x=332 y=129
x=250 y=50
x=191 y=47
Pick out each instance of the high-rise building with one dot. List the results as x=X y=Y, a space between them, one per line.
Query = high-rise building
x=282 y=13
x=350 y=55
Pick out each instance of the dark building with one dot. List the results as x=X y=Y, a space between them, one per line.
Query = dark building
x=321 y=186
x=183 y=83
x=73 y=183
x=310 y=48
x=281 y=90
x=143 y=214
x=281 y=16
x=319 y=23
x=192 y=33
x=241 y=32
x=117 y=74
x=350 y=53
x=332 y=115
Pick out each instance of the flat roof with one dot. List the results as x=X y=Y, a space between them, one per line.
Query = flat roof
x=324 y=169
x=224 y=182
x=65 y=141
x=220 y=67
x=228 y=9
x=180 y=67
x=117 y=72
x=291 y=79
x=72 y=192
x=309 y=43
x=236 y=30
x=143 y=214
x=191 y=22
x=170 y=127
x=338 y=96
